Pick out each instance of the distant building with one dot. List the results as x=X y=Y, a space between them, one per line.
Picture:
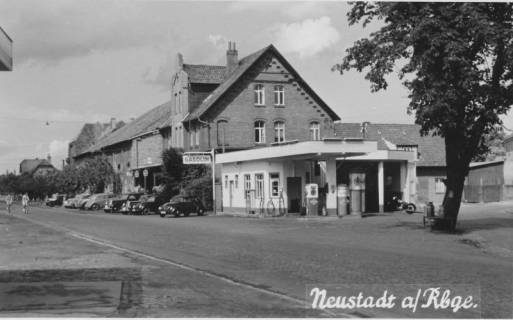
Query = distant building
x=5 y=51
x=37 y=167
x=490 y=181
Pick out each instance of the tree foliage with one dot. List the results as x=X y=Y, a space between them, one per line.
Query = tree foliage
x=456 y=60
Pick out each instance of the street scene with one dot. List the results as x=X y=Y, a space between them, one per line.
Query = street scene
x=330 y=159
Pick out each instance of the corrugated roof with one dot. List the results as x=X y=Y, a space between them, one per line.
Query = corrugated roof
x=431 y=149
x=201 y=73
x=243 y=65
x=156 y=118
x=485 y=163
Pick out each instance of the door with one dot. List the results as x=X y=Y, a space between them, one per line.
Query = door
x=231 y=193
x=294 y=194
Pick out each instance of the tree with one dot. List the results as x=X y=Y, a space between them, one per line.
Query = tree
x=455 y=59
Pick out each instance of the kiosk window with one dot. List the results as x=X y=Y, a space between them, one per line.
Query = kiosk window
x=274 y=179
x=259 y=185
x=247 y=185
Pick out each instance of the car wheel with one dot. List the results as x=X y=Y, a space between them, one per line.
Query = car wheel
x=162 y=215
x=146 y=211
x=200 y=212
x=95 y=207
x=411 y=208
x=176 y=214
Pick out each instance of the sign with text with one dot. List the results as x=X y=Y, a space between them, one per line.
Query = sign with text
x=197 y=158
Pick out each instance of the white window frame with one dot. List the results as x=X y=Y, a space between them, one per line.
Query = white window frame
x=247 y=185
x=259 y=131
x=279 y=131
x=274 y=177
x=315 y=131
x=279 y=95
x=259 y=94
x=259 y=186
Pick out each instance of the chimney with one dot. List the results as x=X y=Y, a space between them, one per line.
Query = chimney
x=231 y=57
x=112 y=123
x=49 y=158
x=179 y=61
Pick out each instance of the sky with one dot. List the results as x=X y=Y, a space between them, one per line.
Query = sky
x=79 y=61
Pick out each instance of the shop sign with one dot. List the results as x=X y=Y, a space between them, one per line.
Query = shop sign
x=196 y=158
x=312 y=191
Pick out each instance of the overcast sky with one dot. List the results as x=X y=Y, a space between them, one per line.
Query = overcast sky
x=84 y=61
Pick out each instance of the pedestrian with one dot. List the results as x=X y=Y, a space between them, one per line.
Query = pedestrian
x=8 y=201
x=25 y=202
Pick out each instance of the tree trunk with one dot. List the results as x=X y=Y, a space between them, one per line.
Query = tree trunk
x=457 y=160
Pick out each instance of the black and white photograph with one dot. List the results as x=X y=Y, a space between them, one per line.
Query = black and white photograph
x=256 y=159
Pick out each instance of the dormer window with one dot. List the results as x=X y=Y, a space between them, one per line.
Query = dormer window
x=279 y=95
x=315 y=131
x=259 y=95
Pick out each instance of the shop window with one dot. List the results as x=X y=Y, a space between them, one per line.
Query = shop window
x=279 y=131
x=259 y=185
x=317 y=169
x=247 y=185
x=260 y=131
x=259 y=95
x=279 y=95
x=439 y=185
x=315 y=131
x=274 y=181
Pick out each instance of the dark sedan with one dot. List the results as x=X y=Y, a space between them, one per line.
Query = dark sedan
x=115 y=204
x=182 y=205
x=145 y=205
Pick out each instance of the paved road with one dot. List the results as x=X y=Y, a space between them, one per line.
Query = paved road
x=289 y=255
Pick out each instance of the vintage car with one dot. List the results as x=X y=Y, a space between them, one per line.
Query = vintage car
x=115 y=204
x=79 y=200
x=97 y=201
x=182 y=205
x=55 y=200
x=145 y=205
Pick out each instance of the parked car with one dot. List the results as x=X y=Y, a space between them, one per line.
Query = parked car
x=97 y=201
x=179 y=205
x=55 y=200
x=78 y=200
x=68 y=203
x=126 y=207
x=115 y=204
x=145 y=205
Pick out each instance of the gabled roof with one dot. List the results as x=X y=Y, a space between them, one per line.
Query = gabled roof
x=201 y=73
x=431 y=148
x=156 y=118
x=243 y=66
x=31 y=165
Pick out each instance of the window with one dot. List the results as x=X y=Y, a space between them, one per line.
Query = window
x=191 y=138
x=221 y=132
x=279 y=95
x=247 y=185
x=259 y=132
x=236 y=181
x=274 y=179
x=198 y=137
x=279 y=131
x=225 y=182
x=315 y=131
x=439 y=185
x=259 y=95
x=259 y=185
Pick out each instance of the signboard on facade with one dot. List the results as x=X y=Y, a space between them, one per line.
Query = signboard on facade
x=312 y=191
x=196 y=158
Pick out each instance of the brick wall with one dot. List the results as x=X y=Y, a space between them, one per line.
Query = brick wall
x=148 y=151
x=237 y=107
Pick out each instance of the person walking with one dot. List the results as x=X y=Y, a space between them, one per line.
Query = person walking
x=8 y=201
x=25 y=202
